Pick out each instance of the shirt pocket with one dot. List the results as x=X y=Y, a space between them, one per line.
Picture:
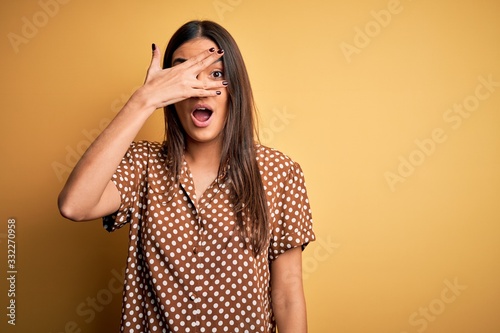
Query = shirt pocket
x=161 y=188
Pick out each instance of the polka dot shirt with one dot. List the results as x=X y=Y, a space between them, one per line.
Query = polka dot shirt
x=187 y=268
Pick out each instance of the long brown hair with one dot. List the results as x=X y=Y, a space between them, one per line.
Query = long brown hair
x=238 y=156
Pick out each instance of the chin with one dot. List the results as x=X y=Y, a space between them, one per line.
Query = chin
x=204 y=138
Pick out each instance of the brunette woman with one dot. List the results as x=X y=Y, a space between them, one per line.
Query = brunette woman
x=217 y=221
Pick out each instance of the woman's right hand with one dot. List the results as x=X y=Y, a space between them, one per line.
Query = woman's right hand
x=167 y=86
x=89 y=193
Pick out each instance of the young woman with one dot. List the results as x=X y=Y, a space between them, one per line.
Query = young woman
x=217 y=222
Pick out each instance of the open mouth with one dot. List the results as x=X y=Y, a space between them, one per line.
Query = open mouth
x=202 y=114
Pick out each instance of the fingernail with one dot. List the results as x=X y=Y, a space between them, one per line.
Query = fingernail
x=218 y=92
x=225 y=83
x=153 y=47
x=212 y=49
x=220 y=51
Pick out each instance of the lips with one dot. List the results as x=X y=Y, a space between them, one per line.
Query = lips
x=201 y=115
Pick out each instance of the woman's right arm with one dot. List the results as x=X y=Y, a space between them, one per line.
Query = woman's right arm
x=89 y=192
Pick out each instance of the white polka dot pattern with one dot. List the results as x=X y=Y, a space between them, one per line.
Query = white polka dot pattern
x=187 y=269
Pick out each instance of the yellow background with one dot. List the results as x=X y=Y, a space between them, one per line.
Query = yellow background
x=387 y=250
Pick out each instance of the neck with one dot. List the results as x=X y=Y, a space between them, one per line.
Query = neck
x=206 y=154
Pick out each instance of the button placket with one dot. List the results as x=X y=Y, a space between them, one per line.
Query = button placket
x=200 y=209
x=198 y=242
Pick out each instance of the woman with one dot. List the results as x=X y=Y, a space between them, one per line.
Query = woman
x=217 y=222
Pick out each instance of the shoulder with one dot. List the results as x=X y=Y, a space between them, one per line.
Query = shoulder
x=275 y=163
x=144 y=154
x=144 y=145
x=264 y=152
x=268 y=154
x=146 y=149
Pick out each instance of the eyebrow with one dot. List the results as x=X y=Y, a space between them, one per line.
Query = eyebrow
x=178 y=61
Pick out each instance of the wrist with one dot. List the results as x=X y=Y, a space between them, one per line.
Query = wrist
x=140 y=103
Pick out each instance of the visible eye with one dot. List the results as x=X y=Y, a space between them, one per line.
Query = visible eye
x=218 y=74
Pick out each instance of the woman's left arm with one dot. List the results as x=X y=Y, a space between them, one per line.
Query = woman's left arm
x=288 y=299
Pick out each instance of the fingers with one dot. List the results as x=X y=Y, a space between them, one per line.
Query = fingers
x=155 y=64
x=206 y=88
x=208 y=84
x=183 y=80
x=195 y=65
x=205 y=93
x=204 y=59
x=155 y=59
x=193 y=93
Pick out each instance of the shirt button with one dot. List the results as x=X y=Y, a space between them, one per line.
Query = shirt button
x=192 y=296
x=195 y=250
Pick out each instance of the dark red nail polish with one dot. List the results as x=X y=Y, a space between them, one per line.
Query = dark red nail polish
x=212 y=49
x=218 y=92
x=225 y=83
x=220 y=51
x=153 y=47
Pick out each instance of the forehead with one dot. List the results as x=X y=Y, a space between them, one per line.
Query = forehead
x=193 y=47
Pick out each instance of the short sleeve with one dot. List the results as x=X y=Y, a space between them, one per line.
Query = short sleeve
x=292 y=224
x=130 y=180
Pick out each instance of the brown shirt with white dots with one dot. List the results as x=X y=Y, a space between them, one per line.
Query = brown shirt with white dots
x=187 y=268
